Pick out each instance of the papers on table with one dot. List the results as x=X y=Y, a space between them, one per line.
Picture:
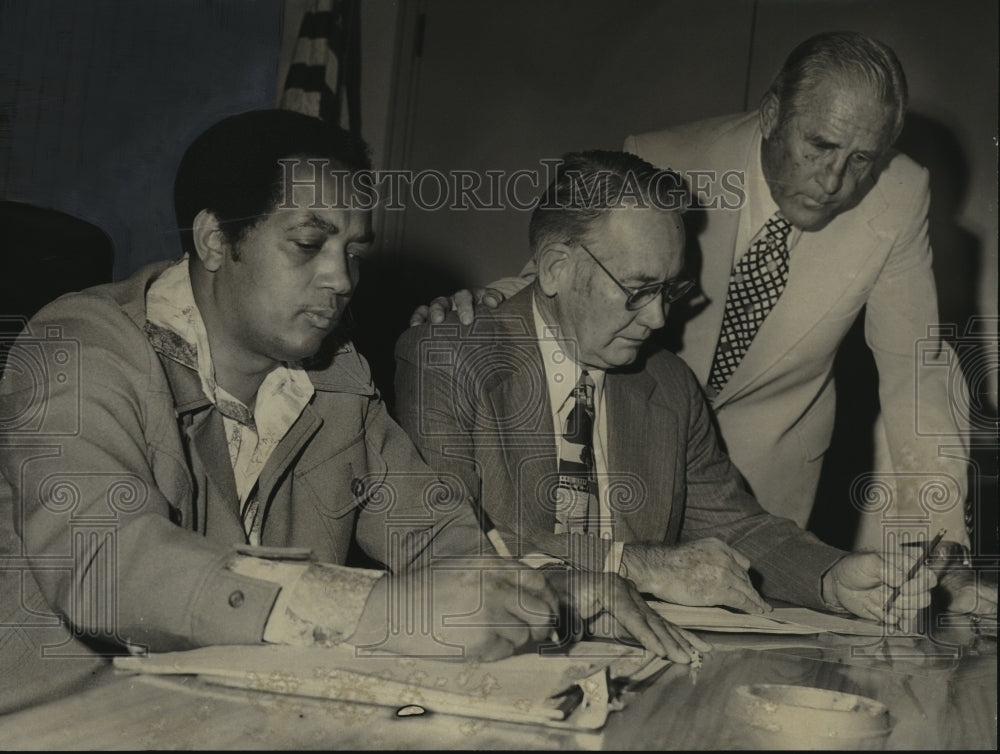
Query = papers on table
x=521 y=689
x=782 y=620
x=516 y=689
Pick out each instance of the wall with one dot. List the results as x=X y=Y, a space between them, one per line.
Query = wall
x=98 y=101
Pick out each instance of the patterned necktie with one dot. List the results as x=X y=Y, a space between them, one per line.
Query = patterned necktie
x=576 y=492
x=756 y=283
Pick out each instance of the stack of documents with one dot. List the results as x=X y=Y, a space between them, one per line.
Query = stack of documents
x=782 y=620
x=528 y=688
x=517 y=689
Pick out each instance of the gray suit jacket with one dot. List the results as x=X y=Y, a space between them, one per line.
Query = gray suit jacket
x=475 y=402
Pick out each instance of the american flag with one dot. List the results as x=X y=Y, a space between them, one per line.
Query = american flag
x=324 y=79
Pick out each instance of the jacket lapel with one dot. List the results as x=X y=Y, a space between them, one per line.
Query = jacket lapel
x=205 y=436
x=823 y=266
x=712 y=231
x=523 y=421
x=210 y=454
x=529 y=456
x=643 y=454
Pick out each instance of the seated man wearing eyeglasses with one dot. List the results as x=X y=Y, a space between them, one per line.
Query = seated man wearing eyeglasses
x=585 y=446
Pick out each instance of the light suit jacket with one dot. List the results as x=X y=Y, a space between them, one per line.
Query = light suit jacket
x=474 y=400
x=776 y=412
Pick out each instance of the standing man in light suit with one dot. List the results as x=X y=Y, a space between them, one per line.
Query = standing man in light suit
x=853 y=230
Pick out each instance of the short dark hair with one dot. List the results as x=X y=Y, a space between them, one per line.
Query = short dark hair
x=855 y=58
x=232 y=168
x=588 y=184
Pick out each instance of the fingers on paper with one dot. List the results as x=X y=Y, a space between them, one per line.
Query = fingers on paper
x=497 y=649
x=741 y=595
x=534 y=584
x=536 y=616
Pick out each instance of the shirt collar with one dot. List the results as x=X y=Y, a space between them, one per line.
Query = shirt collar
x=561 y=372
x=759 y=206
x=176 y=329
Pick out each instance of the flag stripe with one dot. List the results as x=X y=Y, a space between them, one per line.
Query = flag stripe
x=324 y=79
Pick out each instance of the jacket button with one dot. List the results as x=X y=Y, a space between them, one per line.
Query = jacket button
x=236 y=599
x=357 y=487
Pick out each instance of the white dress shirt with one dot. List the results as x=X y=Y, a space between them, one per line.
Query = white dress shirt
x=757 y=209
x=561 y=375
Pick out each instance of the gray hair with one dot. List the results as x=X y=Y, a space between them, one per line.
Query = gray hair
x=589 y=184
x=852 y=57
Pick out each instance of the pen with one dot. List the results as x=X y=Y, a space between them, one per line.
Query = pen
x=916 y=567
x=486 y=524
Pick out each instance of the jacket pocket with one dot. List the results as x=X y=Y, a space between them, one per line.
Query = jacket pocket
x=344 y=480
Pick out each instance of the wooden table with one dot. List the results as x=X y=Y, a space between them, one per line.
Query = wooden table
x=942 y=694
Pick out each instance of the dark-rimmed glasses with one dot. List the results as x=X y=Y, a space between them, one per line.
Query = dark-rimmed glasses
x=673 y=289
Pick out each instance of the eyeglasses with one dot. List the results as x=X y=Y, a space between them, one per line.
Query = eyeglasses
x=672 y=290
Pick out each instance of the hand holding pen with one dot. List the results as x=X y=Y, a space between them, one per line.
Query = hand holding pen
x=915 y=568
x=590 y=593
x=888 y=587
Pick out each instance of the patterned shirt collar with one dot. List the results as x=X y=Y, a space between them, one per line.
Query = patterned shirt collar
x=176 y=329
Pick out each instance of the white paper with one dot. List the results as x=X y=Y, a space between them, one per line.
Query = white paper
x=782 y=620
x=516 y=689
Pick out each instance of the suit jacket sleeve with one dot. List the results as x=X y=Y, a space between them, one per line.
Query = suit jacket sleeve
x=789 y=561
x=510 y=285
x=924 y=398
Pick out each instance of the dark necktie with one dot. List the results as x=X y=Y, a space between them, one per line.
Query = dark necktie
x=576 y=492
x=755 y=284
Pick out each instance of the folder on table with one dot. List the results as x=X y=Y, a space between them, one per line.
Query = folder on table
x=517 y=689
x=782 y=620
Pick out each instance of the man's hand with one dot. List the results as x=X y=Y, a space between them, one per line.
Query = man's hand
x=590 y=594
x=485 y=611
x=704 y=572
x=464 y=302
x=965 y=591
x=862 y=583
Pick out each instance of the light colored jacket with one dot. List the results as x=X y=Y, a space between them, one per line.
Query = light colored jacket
x=776 y=412
x=124 y=495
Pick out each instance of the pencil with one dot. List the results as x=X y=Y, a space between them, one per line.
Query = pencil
x=915 y=567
